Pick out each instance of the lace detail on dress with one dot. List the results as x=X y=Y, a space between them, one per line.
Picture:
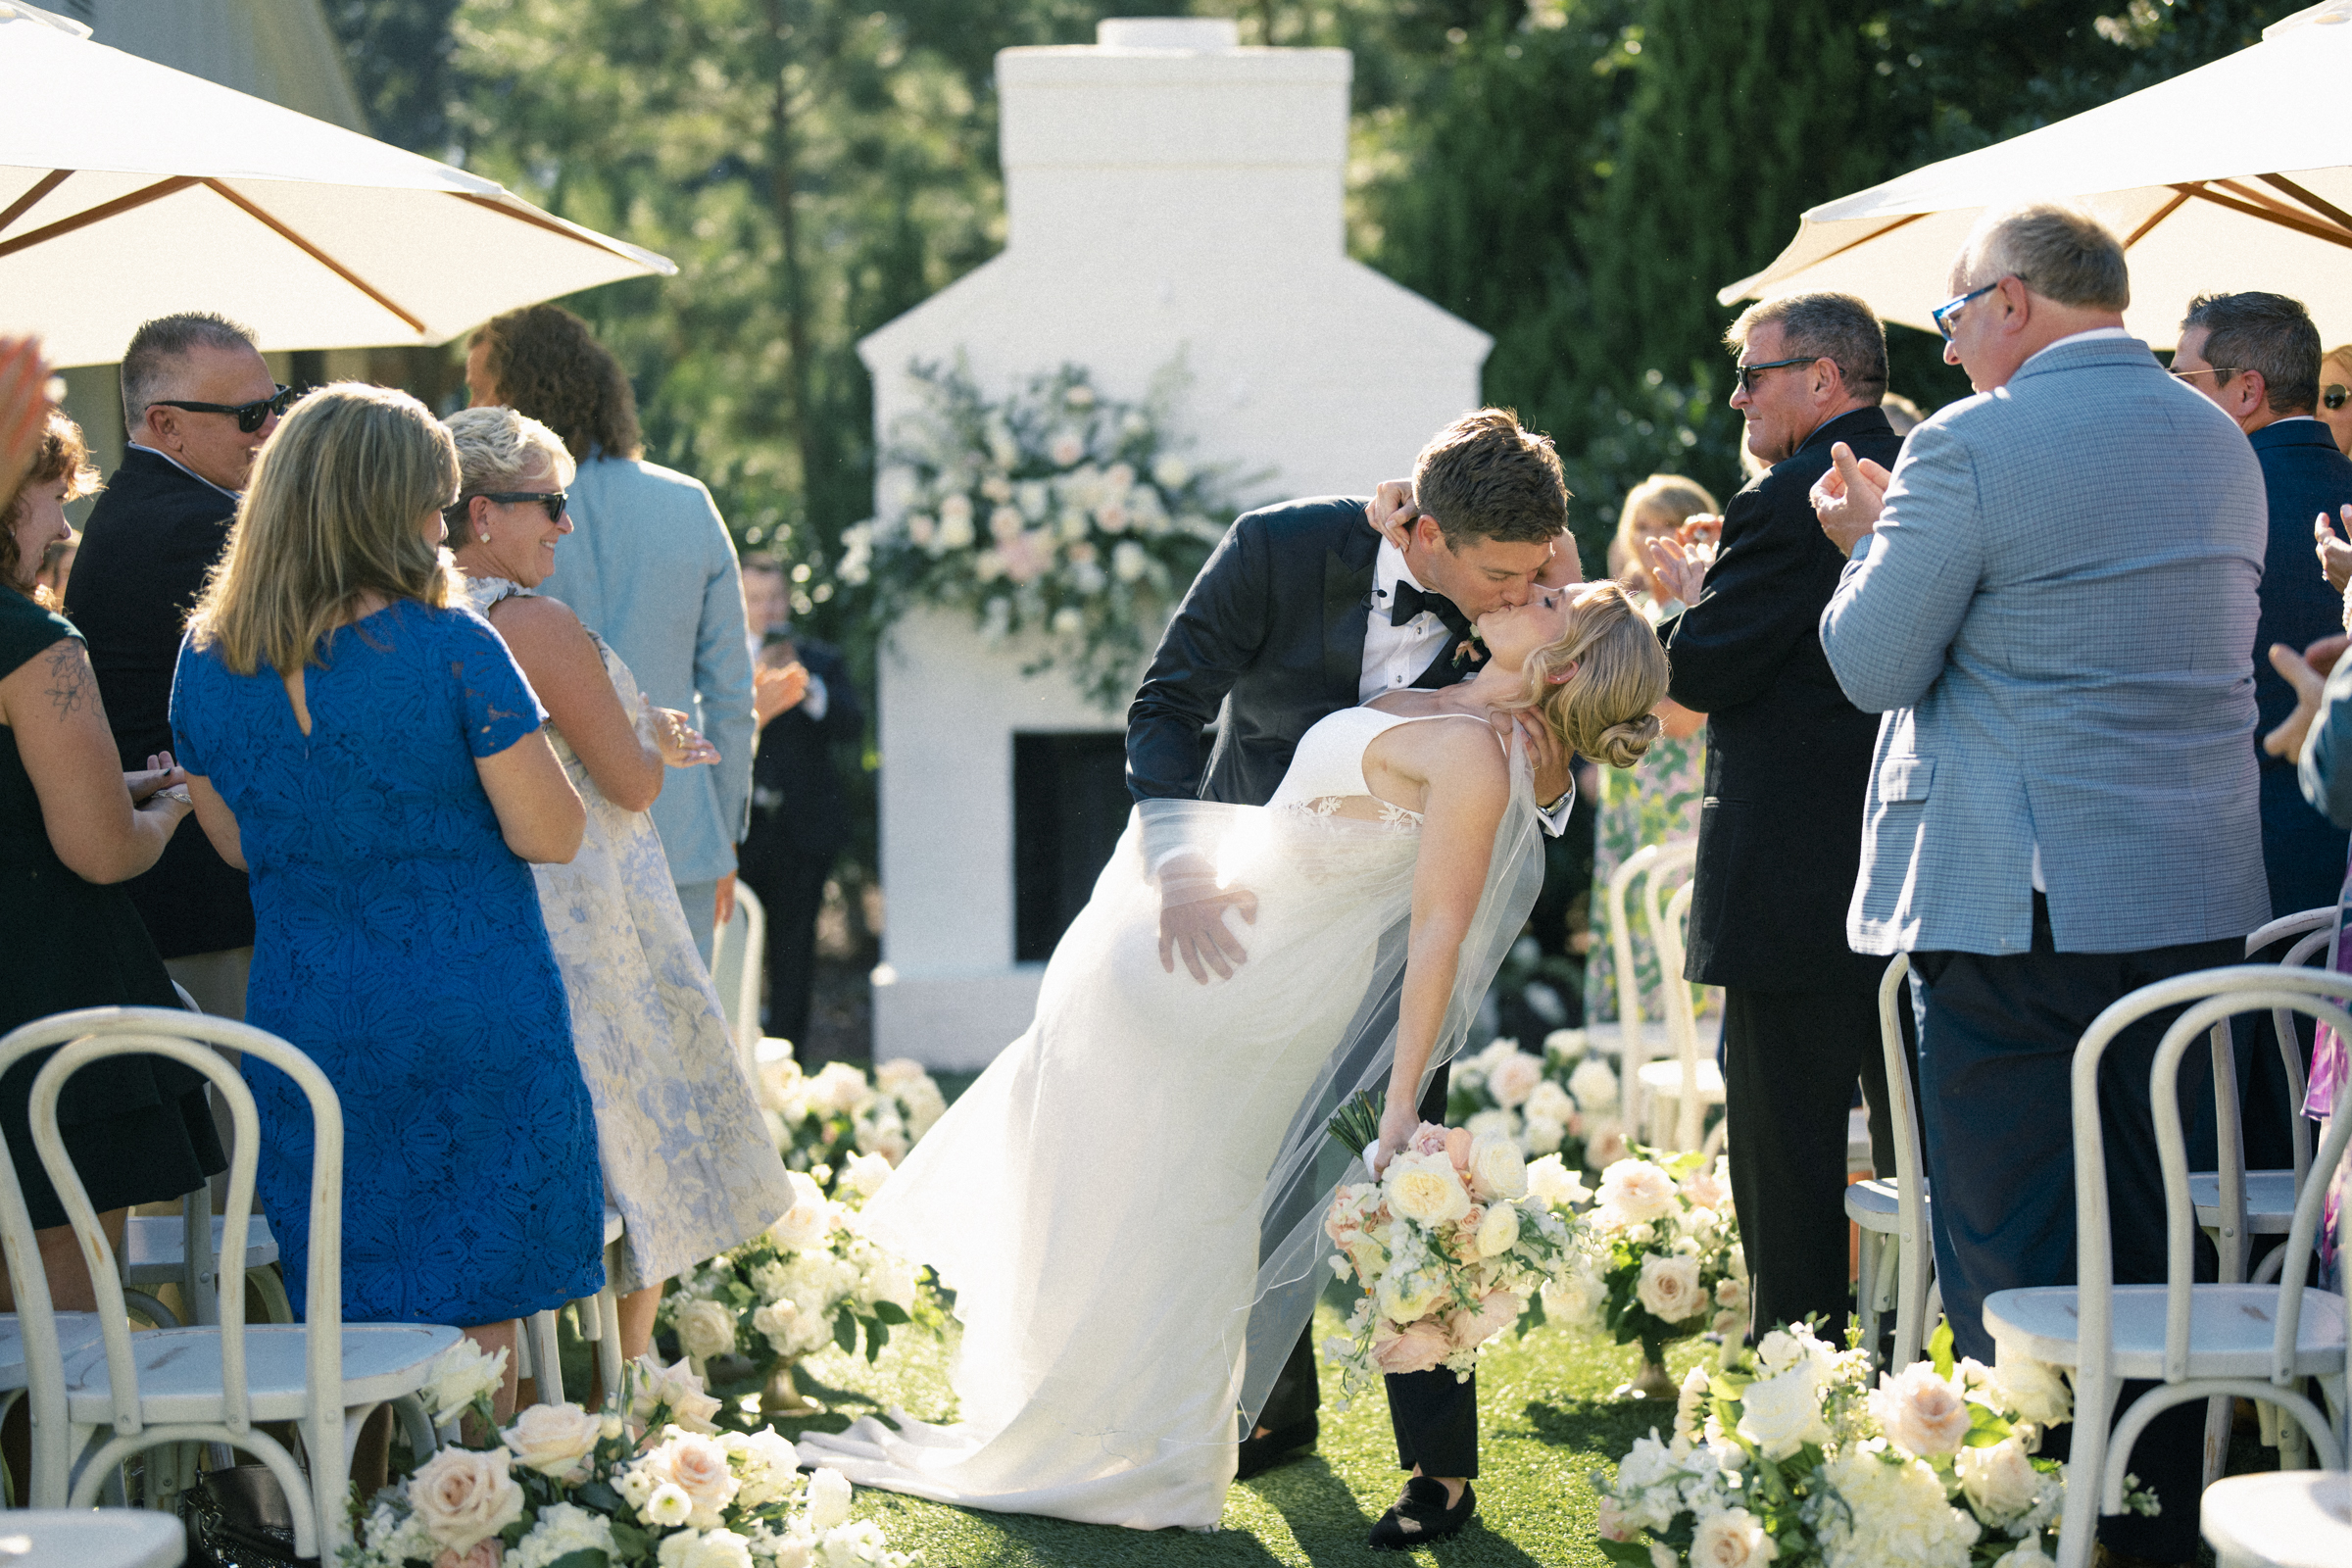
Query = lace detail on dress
x=1390 y=814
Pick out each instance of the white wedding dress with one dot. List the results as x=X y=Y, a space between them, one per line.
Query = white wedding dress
x=1128 y=1203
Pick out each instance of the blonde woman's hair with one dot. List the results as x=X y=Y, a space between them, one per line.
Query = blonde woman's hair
x=496 y=447
x=1669 y=496
x=332 y=514
x=1606 y=709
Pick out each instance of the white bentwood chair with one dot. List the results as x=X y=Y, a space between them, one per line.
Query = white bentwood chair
x=2252 y=1340
x=538 y=1355
x=1657 y=863
x=1895 y=1216
x=737 y=963
x=1691 y=1083
x=204 y=1382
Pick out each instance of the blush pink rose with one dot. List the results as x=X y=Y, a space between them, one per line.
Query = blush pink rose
x=1496 y=1310
x=1428 y=1139
x=485 y=1554
x=1458 y=1143
x=1419 y=1346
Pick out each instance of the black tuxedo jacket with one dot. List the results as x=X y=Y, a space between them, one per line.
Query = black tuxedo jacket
x=1271 y=634
x=1779 y=831
x=152 y=538
x=797 y=811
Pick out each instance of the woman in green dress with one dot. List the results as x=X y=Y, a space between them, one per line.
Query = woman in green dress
x=1657 y=800
x=73 y=825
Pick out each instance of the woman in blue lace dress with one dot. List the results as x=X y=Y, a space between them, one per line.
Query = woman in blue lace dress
x=367 y=749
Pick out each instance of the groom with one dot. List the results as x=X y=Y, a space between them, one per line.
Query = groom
x=1303 y=609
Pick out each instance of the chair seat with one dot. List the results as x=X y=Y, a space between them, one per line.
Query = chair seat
x=92 y=1538
x=2270 y=1199
x=613 y=1225
x=2231 y=1328
x=1873 y=1205
x=1666 y=1078
x=179 y=1371
x=2283 y=1519
x=73 y=1331
x=155 y=1247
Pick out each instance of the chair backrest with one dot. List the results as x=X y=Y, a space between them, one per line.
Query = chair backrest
x=1682 y=1024
x=2210 y=996
x=2318 y=931
x=1657 y=862
x=736 y=961
x=93 y=1033
x=1910 y=1157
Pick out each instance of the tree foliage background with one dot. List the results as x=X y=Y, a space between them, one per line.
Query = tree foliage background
x=1575 y=176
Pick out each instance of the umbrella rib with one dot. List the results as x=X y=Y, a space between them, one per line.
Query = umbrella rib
x=312 y=251
x=98 y=214
x=2161 y=214
x=2301 y=225
x=2325 y=208
x=24 y=203
x=536 y=220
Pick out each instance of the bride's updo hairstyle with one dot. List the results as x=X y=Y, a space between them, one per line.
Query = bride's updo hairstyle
x=338 y=496
x=1615 y=676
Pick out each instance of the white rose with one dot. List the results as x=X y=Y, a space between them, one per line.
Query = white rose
x=1402 y=1302
x=1604 y=1142
x=465 y=1498
x=553 y=1438
x=562 y=1528
x=2035 y=1391
x=2025 y=1553
x=1491 y=1124
x=864 y=1174
x=718 y=1548
x=1732 y=1539
x=839 y=1088
x=1593 y=1084
x=1638 y=1190
x=1780 y=1414
x=776 y=1322
x=1497 y=1170
x=892 y=1279
x=804 y=1223
x=1920 y=1413
x=1705 y=1188
x=1575 y=1297
x=956 y=530
x=1686 y=1404
x=1669 y=1288
x=1730 y=1293
x=1498 y=1231
x=1512 y=1079
x=2000 y=1480
x=1543 y=1135
x=828 y=1499
x=1662 y=1556
x=1425 y=1189
x=1550 y=1102
x=1550 y=1181
x=1779 y=1350
x=461 y=1374
x=676 y=1387
x=705 y=1328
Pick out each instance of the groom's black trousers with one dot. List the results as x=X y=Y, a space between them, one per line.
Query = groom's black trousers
x=1435 y=1416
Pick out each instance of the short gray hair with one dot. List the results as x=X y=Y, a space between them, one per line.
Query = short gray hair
x=498 y=446
x=1837 y=327
x=156 y=350
x=2267 y=334
x=2056 y=249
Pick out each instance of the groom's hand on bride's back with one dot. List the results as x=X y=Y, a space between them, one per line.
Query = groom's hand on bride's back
x=1191 y=918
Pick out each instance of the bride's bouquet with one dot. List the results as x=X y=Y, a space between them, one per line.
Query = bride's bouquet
x=1448 y=1244
x=1563 y=1101
x=1660 y=1257
x=819 y=1120
x=645 y=1483
x=811 y=1279
x=1786 y=1453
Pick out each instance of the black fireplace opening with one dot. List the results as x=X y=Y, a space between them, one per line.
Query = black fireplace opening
x=1069 y=807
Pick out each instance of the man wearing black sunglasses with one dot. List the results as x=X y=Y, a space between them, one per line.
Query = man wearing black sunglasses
x=196 y=402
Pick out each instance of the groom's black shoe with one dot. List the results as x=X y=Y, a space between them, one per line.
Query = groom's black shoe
x=1423 y=1516
x=1280 y=1446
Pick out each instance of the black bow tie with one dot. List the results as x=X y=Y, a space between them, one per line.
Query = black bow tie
x=1411 y=601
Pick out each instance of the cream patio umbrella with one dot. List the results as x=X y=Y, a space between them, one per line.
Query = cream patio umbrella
x=128 y=190
x=2223 y=178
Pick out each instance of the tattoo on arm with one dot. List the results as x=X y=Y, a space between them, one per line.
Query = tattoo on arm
x=70 y=679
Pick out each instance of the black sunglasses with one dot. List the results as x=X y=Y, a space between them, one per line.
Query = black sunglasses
x=1747 y=373
x=2336 y=395
x=554 y=501
x=249 y=417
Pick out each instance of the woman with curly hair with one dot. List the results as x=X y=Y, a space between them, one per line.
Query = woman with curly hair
x=652 y=568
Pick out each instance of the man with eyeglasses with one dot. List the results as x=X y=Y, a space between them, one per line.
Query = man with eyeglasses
x=2053 y=600
x=1786 y=759
x=197 y=404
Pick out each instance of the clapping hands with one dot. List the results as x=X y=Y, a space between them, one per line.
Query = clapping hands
x=2335 y=556
x=777 y=691
x=1850 y=497
x=1678 y=560
x=681 y=744
x=2307 y=672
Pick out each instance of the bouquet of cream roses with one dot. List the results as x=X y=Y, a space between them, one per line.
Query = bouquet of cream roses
x=811 y=1278
x=646 y=1483
x=819 y=1121
x=1447 y=1246
x=1661 y=1258
x=1786 y=1454
x=1561 y=1102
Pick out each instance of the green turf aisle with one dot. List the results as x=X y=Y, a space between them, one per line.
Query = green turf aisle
x=1547 y=1422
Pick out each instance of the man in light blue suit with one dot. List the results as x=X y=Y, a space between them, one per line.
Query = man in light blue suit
x=650 y=568
x=2055 y=611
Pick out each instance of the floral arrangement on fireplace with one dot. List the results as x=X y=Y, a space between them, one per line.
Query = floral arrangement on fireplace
x=1057 y=514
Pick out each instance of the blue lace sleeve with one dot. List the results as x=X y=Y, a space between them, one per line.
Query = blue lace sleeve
x=186 y=704
x=500 y=706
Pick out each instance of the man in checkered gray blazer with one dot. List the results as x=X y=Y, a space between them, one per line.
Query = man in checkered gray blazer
x=2055 y=611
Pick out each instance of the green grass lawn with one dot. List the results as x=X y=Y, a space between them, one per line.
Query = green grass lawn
x=1547 y=1422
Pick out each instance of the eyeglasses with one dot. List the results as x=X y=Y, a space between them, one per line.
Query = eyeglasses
x=1944 y=313
x=1748 y=373
x=552 y=500
x=2220 y=373
x=249 y=417
x=2336 y=396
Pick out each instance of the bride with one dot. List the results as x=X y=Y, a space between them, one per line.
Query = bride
x=1128 y=1203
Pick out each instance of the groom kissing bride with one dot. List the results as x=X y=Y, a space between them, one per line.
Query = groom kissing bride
x=1128 y=1203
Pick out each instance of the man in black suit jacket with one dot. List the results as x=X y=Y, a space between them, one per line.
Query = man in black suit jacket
x=1780 y=834
x=1303 y=609
x=198 y=402
x=798 y=824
